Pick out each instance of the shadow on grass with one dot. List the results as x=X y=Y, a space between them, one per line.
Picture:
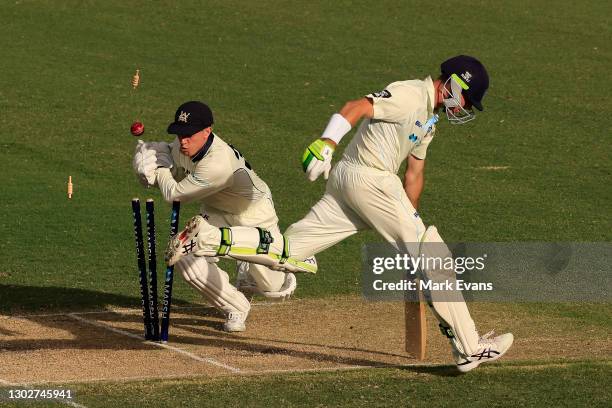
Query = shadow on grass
x=17 y=299
x=200 y=326
x=440 y=371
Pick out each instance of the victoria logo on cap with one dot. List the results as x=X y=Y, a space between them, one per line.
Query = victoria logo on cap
x=190 y=118
x=183 y=117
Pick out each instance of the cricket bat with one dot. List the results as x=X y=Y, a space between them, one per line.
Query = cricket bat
x=416 y=328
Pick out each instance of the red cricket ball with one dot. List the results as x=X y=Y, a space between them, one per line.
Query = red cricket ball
x=137 y=129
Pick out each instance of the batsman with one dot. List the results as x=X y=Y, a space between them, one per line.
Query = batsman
x=364 y=192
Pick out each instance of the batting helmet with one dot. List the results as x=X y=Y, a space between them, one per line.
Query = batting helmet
x=472 y=73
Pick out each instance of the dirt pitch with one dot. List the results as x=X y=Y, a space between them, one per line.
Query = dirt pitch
x=300 y=335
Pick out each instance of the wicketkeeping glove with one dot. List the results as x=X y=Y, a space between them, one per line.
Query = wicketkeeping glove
x=145 y=163
x=162 y=155
x=317 y=159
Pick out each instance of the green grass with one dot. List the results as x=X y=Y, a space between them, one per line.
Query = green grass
x=522 y=385
x=273 y=72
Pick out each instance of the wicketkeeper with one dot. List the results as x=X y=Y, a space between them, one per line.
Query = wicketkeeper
x=364 y=191
x=200 y=166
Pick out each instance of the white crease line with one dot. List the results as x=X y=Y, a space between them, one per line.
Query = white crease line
x=131 y=379
x=26 y=316
x=162 y=345
x=244 y=373
x=89 y=312
x=131 y=310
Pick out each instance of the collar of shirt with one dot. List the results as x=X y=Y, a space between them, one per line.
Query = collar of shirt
x=431 y=94
x=202 y=152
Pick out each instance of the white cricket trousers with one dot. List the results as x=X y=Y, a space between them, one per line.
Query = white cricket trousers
x=357 y=198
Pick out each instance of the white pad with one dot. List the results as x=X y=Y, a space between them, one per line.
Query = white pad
x=213 y=283
x=448 y=306
x=266 y=279
x=253 y=245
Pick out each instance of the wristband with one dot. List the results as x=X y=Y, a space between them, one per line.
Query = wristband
x=337 y=127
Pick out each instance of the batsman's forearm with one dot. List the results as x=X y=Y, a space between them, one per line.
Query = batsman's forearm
x=413 y=189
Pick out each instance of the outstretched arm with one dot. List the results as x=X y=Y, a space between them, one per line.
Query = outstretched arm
x=354 y=111
x=208 y=177
x=206 y=180
x=351 y=113
x=317 y=157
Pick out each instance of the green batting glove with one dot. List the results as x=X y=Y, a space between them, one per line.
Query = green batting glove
x=317 y=159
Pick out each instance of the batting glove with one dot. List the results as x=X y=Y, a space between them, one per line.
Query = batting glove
x=317 y=159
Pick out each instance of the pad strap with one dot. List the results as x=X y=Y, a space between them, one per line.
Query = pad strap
x=285 y=254
x=226 y=241
x=265 y=239
x=446 y=331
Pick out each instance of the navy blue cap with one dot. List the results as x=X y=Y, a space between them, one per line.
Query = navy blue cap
x=190 y=118
x=472 y=73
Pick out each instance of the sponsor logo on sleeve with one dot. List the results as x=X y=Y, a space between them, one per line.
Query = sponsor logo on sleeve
x=382 y=94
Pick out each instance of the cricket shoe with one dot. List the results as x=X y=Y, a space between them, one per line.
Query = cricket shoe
x=489 y=349
x=244 y=281
x=184 y=242
x=235 y=322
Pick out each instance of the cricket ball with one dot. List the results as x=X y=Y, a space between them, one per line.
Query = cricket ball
x=137 y=129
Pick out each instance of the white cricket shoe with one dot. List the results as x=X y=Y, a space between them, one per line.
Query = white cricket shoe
x=244 y=281
x=184 y=243
x=235 y=322
x=489 y=349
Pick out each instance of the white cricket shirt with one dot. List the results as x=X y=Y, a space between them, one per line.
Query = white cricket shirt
x=219 y=177
x=385 y=141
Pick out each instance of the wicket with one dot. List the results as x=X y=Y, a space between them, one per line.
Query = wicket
x=165 y=323
x=148 y=284
x=153 y=312
x=142 y=271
